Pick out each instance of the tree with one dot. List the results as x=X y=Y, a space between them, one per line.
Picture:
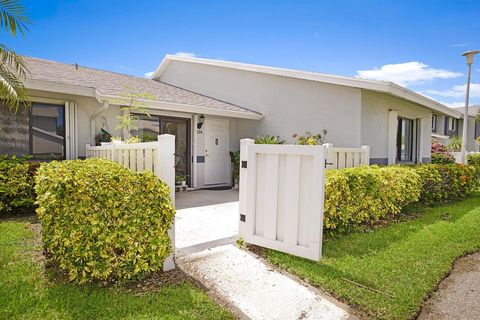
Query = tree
x=13 y=71
x=133 y=104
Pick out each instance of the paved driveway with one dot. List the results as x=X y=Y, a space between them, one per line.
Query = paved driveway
x=204 y=216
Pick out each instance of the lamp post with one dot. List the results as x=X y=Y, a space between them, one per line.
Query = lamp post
x=469 y=55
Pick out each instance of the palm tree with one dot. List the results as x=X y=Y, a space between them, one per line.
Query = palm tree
x=14 y=20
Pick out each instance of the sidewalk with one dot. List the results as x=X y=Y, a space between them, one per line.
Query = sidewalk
x=256 y=291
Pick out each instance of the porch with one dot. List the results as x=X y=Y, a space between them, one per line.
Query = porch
x=205 y=218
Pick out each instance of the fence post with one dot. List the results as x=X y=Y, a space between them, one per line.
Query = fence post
x=366 y=155
x=329 y=156
x=165 y=162
x=87 y=151
x=114 y=153
x=244 y=143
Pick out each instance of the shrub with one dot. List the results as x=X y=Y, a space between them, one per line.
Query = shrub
x=268 y=139
x=16 y=185
x=310 y=139
x=101 y=222
x=455 y=144
x=446 y=182
x=440 y=154
x=367 y=194
x=473 y=159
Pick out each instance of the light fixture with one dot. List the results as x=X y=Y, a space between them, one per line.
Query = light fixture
x=469 y=55
x=201 y=121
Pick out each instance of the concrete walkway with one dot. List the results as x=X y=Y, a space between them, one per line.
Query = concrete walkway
x=205 y=216
x=250 y=287
x=255 y=290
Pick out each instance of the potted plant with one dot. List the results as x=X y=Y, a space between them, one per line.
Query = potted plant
x=103 y=138
x=181 y=180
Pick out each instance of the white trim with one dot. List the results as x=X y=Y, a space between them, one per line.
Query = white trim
x=49 y=86
x=439 y=136
x=170 y=106
x=380 y=86
x=392 y=136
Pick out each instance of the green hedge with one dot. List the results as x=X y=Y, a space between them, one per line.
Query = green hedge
x=16 y=185
x=365 y=195
x=446 y=182
x=473 y=159
x=102 y=222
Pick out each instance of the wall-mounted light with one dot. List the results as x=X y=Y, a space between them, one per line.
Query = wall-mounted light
x=201 y=121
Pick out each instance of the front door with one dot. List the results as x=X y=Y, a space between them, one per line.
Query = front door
x=217 y=161
x=180 y=128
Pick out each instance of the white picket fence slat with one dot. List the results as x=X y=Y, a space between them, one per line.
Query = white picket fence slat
x=157 y=157
x=339 y=158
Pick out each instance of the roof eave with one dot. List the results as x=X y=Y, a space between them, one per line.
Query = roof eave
x=170 y=106
x=49 y=86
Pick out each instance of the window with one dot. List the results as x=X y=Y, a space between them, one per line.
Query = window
x=452 y=124
x=434 y=123
x=405 y=140
x=38 y=131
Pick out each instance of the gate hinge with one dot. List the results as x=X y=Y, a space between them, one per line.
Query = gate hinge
x=242 y=217
x=328 y=163
x=244 y=164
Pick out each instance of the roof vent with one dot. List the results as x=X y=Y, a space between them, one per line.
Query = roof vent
x=76 y=66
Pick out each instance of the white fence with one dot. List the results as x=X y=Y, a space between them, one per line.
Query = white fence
x=457 y=155
x=339 y=158
x=281 y=197
x=157 y=157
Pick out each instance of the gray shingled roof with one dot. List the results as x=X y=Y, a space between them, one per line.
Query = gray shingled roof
x=111 y=83
x=472 y=110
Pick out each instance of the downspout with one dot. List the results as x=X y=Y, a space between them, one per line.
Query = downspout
x=106 y=105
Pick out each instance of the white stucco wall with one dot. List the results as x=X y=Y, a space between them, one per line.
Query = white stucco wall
x=289 y=105
x=375 y=121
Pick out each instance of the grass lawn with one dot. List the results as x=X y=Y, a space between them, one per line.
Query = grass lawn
x=27 y=293
x=405 y=261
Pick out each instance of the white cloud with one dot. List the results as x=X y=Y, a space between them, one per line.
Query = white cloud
x=457 y=91
x=406 y=73
x=185 y=54
x=458 y=45
x=149 y=74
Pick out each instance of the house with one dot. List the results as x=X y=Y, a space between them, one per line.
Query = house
x=209 y=105
x=394 y=121
x=71 y=104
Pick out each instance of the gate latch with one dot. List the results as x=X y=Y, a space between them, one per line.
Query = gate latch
x=244 y=164
x=328 y=163
x=242 y=217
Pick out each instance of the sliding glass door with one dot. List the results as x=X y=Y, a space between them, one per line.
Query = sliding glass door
x=405 y=140
x=150 y=127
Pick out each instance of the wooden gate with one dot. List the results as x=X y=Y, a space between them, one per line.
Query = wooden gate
x=281 y=197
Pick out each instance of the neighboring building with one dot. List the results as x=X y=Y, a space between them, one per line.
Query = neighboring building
x=71 y=104
x=473 y=127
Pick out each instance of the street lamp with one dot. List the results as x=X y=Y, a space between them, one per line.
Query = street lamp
x=469 y=55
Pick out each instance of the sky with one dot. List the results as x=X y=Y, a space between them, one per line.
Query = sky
x=415 y=43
